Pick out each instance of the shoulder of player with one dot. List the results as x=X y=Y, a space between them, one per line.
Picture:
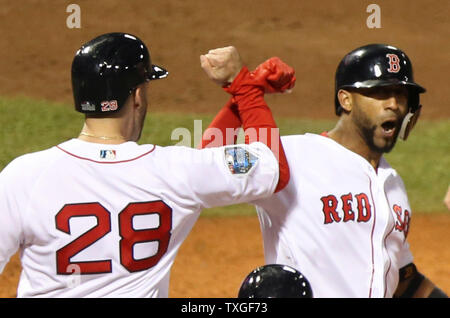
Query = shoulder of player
x=27 y=165
x=177 y=150
x=210 y=156
x=302 y=138
x=33 y=158
x=304 y=142
x=385 y=169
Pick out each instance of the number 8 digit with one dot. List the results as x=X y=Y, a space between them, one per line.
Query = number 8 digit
x=130 y=236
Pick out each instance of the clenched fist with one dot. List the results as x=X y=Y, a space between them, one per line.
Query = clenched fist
x=274 y=76
x=222 y=65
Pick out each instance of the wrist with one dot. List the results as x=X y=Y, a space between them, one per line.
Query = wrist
x=234 y=83
x=242 y=83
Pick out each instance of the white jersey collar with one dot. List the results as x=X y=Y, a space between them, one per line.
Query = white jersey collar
x=105 y=153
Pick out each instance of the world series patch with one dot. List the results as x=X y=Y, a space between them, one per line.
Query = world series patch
x=239 y=160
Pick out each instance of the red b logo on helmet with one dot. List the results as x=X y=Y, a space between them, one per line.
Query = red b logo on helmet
x=394 y=63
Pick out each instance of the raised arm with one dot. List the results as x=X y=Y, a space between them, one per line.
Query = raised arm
x=247 y=107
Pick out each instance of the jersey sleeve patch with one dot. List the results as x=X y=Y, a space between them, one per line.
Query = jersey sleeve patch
x=239 y=160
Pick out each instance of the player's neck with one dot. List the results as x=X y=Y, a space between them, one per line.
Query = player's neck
x=103 y=131
x=353 y=141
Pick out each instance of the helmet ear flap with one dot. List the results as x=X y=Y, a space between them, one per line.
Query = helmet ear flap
x=409 y=122
x=413 y=100
x=411 y=118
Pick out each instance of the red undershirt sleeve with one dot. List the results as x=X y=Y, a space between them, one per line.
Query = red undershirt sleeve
x=247 y=108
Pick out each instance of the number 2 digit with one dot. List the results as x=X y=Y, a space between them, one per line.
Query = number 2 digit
x=103 y=227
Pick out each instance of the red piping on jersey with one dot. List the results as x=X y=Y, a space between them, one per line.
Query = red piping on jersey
x=371 y=238
x=390 y=261
x=106 y=162
x=325 y=134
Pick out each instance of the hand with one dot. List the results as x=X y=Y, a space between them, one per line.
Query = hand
x=274 y=76
x=222 y=65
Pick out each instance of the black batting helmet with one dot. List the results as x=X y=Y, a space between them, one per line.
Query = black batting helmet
x=107 y=69
x=275 y=281
x=376 y=65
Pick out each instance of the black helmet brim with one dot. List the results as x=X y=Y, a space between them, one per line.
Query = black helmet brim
x=390 y=82
x=157 y=72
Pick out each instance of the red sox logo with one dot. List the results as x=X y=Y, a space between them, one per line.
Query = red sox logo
x=403 y=219
x=394 y=63
x=336 y=211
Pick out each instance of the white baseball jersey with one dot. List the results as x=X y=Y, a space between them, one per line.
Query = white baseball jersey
x=95 y=220
x=338 y=221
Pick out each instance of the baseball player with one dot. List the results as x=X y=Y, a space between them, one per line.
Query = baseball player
x=100 y=215
x=344 y=217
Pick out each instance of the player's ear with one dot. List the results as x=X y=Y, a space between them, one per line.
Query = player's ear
x=139 y=96
x=345 y=99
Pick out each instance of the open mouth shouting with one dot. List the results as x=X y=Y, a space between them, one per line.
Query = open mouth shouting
x=389 y=127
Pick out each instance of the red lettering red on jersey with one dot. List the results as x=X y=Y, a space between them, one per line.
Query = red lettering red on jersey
x=364 y=209
x=403 y=219
x=394 y=63
x=349 y=215
x=335 y=211
x=329 y=209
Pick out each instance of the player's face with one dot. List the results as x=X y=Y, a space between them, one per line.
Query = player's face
x=378 y=114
